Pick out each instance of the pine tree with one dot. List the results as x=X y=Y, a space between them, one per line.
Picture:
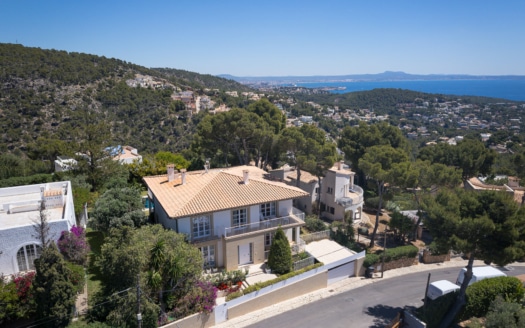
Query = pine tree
x=280 y=257
x=54 y=293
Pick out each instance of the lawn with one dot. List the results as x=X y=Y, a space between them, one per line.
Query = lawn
x=95 y=240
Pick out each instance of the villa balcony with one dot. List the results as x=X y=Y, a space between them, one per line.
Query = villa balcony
x=354 y=197
x=293 y=220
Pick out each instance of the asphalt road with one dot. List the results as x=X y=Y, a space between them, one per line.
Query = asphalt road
x=374 y=305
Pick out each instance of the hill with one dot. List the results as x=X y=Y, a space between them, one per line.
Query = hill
x=49 y=95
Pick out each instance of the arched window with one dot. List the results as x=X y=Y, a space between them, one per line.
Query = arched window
x=26 y=257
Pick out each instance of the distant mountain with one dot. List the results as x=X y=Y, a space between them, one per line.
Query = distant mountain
x=385 y=76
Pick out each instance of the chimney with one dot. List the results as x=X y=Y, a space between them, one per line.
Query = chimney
x=207 y=165
x=171 y=172
x=340 y=165
x=246 y=176
x=183 y=176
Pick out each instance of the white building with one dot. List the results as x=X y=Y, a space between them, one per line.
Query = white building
x=127 y=155
x=65 y=163
x=230 y=214
x=339 y=196
x=20 y=213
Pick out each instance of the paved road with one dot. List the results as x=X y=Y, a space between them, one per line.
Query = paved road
x=373 y=305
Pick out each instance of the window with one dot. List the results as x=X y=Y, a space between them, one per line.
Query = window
x=26 y=257
x=268 y=210
x=316 y=190
x=240 y=217
x=268 y=238
x=201 y=226
x=331 y=209
x=330 y=190
x=208 y=255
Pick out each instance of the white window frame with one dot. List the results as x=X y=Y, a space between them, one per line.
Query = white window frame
x=239 y=217
x=208 y=255
x=267 y=210
x=26 y=256
x=201 y=226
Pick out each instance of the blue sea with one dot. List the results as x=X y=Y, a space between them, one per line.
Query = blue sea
x=504 y=89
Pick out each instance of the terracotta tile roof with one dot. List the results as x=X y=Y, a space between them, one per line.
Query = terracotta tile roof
x=217 y=190
x=306 y=177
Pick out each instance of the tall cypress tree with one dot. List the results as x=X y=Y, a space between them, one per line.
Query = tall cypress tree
x=280 y=257
x=54 y=292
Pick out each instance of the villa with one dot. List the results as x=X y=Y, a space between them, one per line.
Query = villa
x=230 y=214
x=340 y=198
x=20 y=214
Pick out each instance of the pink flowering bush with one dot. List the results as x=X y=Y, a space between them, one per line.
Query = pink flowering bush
x=73 y=245
x=201 y=298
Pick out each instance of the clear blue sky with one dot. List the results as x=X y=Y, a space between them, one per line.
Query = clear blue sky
x=281 y=37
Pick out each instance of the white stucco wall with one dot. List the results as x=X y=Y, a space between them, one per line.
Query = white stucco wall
x=254 y=215
x=285 y=207
x=221 y=220
x=13 y=239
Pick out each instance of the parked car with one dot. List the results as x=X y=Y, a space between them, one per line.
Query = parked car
x=439 y=288
x=479 y=273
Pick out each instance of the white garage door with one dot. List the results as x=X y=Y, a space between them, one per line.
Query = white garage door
x=341 y=272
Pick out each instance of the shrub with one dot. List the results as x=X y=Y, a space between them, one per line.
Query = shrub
x=201 y=298
x=391 y=254
x=480 y=294
x=73 y=245
x=280 y=257
x=505 y=314
x=76 y=275
x=313 y=224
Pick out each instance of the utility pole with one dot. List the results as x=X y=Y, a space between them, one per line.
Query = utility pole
x=384 y=254
x=139 y=315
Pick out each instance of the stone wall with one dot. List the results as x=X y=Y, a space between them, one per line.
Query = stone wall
x=401 y=263
x=429 y=258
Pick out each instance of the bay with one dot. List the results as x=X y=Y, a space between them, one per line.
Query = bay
x=504 y=89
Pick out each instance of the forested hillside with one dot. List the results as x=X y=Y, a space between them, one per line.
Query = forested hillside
x=50 y=98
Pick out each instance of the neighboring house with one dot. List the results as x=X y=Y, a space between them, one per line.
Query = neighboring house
x=20 y=215
x=127 y=155
x=339 y=195
x=230 y=214
x=512 y=187
x=65 y=163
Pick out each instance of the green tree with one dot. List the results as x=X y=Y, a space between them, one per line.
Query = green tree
x=280 y=256
x=421 y=178
x=401 y=225
x=118 y=207
x=378 y=164
x=54 y=293
x=162 y=259
x=482 y=225
x=355 y=141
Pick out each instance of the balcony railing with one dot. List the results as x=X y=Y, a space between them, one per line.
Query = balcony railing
x=296 y=217
x=355 y=197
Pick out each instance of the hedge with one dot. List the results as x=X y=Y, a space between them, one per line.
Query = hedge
x=262 y=284
x=480 y=294
x=391 y=254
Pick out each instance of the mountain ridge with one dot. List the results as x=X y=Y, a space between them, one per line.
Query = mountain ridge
x=385 y=76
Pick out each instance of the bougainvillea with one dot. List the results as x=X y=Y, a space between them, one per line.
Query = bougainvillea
x=201 y=298
x=73 y=245
x=23 y=286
